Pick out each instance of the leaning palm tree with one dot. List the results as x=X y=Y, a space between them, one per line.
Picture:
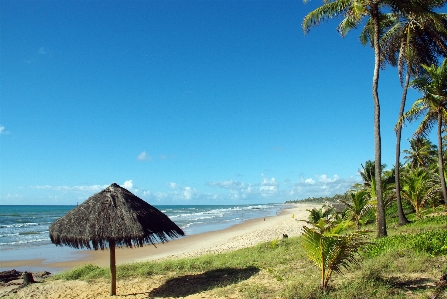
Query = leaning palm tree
x=433 y=104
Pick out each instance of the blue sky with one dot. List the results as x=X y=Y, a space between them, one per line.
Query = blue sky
x=184 y=102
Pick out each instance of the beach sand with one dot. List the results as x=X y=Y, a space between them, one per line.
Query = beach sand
x=243 y=235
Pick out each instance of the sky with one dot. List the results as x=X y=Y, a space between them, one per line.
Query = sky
x=185 y=102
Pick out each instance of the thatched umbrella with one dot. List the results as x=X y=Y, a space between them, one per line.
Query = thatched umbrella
x=113 y=217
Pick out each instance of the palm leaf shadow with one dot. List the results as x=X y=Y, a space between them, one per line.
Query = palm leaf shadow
x=192 y=284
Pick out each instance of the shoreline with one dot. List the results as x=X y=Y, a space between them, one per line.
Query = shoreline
x=245 y=234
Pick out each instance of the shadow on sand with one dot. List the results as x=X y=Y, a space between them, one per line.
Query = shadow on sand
x=192 y=284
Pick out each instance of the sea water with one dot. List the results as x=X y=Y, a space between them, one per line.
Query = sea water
x=24 y=229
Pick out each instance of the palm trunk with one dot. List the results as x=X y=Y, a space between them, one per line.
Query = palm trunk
x=441 y=162
x=381 y=221
x=323 y=265
x=402 y=219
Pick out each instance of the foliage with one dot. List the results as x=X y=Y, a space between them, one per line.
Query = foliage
x=331 y=252
x=422 y=153
x=85 y=272
x=291 y=274
x=418 y=187
x=358 y=207
x=432 y=242
x=321 y=200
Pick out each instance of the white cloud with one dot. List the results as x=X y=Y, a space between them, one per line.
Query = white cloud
x=128 y=184
x=309 y=181
x=324 y=186
x=2 y=130
x=174 y=185
x=269 y=187
x=188 y=192
x=42 y=51
x=143 y=156
x=325 y=179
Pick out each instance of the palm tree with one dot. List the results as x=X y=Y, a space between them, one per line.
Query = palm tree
x=433 y=104
x=418 y=187
x=325 y=212
x=358 y=207
x=416 y=37
x=331 y=252
x=422 y=153
x=354 y=12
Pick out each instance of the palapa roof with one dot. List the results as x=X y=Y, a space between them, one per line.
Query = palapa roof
x=114 y=214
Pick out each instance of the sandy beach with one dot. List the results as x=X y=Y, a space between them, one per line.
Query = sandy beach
x=239 y=236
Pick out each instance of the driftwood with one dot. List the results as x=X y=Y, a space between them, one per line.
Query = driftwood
x=7 y=276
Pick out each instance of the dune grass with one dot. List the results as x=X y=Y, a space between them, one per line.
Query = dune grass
x=407 y=264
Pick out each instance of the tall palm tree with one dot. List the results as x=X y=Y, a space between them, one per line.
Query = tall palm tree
x=433 y=104
x=354 y=13
x=417 y=36
x=413 y=40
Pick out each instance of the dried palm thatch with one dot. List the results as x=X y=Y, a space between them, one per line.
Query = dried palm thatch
x=112 y=217
x=113 y=214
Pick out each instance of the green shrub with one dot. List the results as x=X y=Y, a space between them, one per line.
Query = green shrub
x=433 y=242
x=84 y=272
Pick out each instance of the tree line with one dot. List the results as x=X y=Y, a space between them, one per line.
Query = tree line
x=412 y=36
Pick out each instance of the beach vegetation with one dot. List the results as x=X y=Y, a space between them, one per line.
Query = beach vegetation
x=406 y=264
x=331 y=252
x=432 y=108
x=358 y=207
x=320 y=200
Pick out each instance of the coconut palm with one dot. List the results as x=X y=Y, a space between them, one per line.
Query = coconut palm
x=331 y=252
x=358 y=207
x=433 y=105
x=417 y=36
x=354 y=12
x=325 y=212
x=422 y=153
x=418 y=188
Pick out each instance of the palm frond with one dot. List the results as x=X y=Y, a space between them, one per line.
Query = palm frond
x=324 y=12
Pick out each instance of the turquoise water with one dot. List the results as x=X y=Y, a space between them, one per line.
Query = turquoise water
x=27 y=226
x=24 y=230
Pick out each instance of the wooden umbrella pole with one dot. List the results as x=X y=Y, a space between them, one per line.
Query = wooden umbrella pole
x=112 y=267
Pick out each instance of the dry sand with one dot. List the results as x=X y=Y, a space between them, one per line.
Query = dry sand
x=239 y=236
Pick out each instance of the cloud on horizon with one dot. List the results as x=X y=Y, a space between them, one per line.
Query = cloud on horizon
x=268 y=189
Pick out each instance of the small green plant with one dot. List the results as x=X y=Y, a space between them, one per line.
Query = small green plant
x=331 y=252
x=87 y=271
x=274 y=244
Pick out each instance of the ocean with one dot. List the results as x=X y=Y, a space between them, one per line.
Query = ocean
x=24 y=228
